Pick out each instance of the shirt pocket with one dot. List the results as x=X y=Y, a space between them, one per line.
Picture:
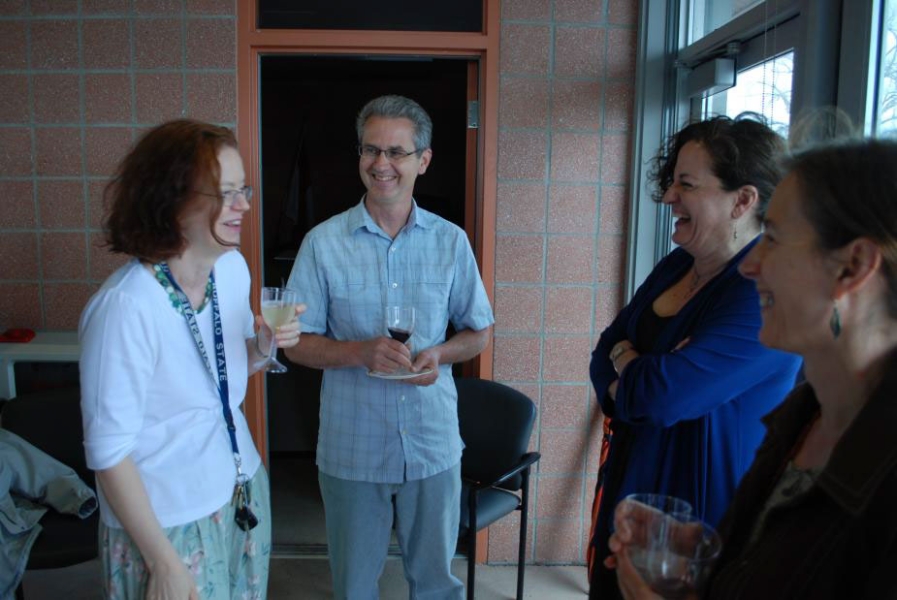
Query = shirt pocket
x=431 y=294
x=357 y=308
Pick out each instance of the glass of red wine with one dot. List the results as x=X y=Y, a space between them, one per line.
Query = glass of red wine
x=400 y=323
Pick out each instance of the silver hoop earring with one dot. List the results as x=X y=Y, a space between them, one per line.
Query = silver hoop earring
x=835 y=322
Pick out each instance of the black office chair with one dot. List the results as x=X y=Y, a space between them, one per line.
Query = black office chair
x=496 y=422
x=51 y=421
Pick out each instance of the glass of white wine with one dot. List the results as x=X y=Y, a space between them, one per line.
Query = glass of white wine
x=278 y=309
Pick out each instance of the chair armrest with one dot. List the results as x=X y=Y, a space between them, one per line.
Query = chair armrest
x=526 y=461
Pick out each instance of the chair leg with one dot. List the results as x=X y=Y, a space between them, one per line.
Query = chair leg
x=521 y=552
x=471 y=543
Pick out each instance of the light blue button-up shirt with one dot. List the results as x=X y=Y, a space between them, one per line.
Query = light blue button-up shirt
x=346 y=272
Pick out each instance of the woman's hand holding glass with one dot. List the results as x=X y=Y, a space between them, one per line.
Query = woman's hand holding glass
x=660 y=549
x=278 y=325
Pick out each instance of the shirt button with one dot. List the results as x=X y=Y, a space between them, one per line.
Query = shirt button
x=394 y=285
x=403 y=432
x=402 y=398
x=392 y=249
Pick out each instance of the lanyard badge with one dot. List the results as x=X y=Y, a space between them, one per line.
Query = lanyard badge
x=241 y=500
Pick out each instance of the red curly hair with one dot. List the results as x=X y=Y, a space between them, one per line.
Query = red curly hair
x=166 y=174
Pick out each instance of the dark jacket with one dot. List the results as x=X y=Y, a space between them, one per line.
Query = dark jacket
x=839 y=540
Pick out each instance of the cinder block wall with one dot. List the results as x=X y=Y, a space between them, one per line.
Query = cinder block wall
x=78 y=81
x=567 y=88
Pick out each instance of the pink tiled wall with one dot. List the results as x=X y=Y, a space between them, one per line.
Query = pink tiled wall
x=78 y=81
x=565 y=124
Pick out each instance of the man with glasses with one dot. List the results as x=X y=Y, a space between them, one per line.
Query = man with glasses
x=389 y=443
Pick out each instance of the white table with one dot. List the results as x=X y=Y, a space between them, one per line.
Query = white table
x=46 y=346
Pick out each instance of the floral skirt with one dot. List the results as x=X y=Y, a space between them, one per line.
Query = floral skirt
x=225 y=561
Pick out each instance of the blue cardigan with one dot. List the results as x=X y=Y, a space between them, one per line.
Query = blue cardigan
x=687 y=423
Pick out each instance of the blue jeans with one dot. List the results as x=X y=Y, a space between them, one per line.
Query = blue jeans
x=359 y=519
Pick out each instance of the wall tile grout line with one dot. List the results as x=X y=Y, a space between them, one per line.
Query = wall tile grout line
x=130 y=14
x=121 y=70
x=41 y=295
x=82 y=93
x=185 y=102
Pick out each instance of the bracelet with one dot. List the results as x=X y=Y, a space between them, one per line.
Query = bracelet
x=259 y=350
x=618 y=351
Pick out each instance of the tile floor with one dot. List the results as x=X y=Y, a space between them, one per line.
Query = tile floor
x=309 y=579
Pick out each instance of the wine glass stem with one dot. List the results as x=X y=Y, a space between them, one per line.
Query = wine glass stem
x=273 y=349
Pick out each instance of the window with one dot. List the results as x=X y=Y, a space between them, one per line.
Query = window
x=764 y=89
x=709 y=15
x=885 y=78
x=396 y=15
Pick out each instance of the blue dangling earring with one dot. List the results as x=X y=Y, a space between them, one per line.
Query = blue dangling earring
x=835 y=322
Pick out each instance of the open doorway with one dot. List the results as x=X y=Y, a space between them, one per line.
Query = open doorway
x=309 y=172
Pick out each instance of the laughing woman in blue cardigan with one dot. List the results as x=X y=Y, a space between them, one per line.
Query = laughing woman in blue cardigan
x=680 y=373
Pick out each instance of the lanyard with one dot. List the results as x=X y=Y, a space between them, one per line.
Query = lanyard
x=221 y=378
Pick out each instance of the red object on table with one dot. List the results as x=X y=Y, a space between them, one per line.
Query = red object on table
x=17 y=335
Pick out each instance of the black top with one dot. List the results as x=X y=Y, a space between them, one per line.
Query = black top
x=650 y=326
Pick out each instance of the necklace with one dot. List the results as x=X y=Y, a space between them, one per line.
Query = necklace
x=697 y=279
x=695 y=282
x=163 y=280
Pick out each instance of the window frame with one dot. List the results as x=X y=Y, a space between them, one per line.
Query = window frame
x=859 y=91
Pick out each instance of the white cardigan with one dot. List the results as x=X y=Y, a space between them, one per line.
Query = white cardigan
x=147 y=394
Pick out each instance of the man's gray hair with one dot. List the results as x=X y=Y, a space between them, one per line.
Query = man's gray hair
x=398 y=107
